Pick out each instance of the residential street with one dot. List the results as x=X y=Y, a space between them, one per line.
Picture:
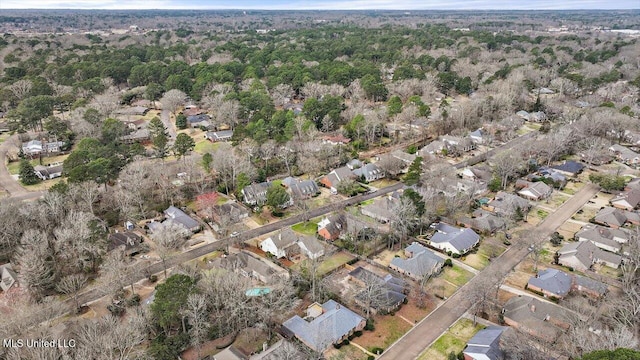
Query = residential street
x=413 y=343
x=165 y=116
x=246 y=235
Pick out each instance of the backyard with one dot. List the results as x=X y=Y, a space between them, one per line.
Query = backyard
x=328 y=264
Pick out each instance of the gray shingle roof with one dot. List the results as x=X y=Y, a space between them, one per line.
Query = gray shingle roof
x=181 y=218
x=590 y=284
x=487 y=342
x=552 y=280
x=335 y=322
x=421 y=263
x=611 y=216
x=460 y=238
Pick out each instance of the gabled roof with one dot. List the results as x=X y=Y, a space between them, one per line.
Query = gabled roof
x=487 y=342
x=368 y=170
x=460 y=238
x=197 y=118
x=246 y=262
x=304 y=188
x=569 y=166
x=538 y=189
x=632 y=197
x=312 y=244
x=484 y=221
x=332 y=325
x=334 y=224
x=602 y=235
x=129 y=239
x=180 y=217
x=421 y=263
x=554 y=281
x=590 y=284
x=508 y=203
x=285 y=238
x=230 y=353
x=393 y=287
x=256 y=192
x=611 y=216
x=533 y=314
x=381 y=208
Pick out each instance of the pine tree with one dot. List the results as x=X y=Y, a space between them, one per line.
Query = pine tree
x=27 y=174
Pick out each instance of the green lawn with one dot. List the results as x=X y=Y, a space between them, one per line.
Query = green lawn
x=307 y=228
x=329 y=264
x=453 y=340
x=542 y=214
x=456 y=275
x=205 y=146
x=367 y=202
x=14 y=166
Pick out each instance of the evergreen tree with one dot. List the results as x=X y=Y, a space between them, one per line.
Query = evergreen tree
x=415 y=170
x=27 y=174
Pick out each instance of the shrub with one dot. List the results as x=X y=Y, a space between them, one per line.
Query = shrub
x=357 y=333
x=448 y=262
x=153 y=278
x=371 y=357
x=337 y=346
x=352 y=261
x=346 y=342
x=134 y=300
x=115 y=310
x=376 y=350
x=369 y=326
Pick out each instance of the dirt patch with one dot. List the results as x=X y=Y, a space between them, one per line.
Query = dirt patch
x=385 y=257
x=413 y=313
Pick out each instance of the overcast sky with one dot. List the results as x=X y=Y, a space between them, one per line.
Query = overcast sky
x=322 y=4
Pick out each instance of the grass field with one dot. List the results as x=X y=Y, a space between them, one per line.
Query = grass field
x=205 y=146
x=456 y=275
x=329 y=264
x=307 y=228
x=453 y=340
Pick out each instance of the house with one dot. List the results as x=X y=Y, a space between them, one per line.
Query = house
x=387 y=292
x=354 y=164
x=255 y=194
x=472 y=188
x=625 y=154
x=420 y=262
x=627 y=200
x=581 y=255
x=333 y=179
x=369 y=172
x=230 y=211
x=551 y=283
x=507 y=204
x=129 y=242
x=215 y=136
x=178 y=216
x=458 y=143
x=381 y=209
x=433 y=148
x=300 y=189
x=311 y=247
x=192 y=110
x=634 y=184
x=538 y=116
x=453 y=239
x=476 y=174
x=326 y=324
x=534 y=190
x=611 y=217
x=552 y=174
x=249 y=265
x=338 y=139
x=230 y=353
x=535 y=317
x=569 y=168
x=8 y=277
x=478 y=136
x=279 y=244
x=134 y=111
x=485 y=344
x=48 y=172
x=137 y=136
x=605 y=238
x=406 y=158
x=37 y=147
x=288 y=243
x=198 y=120
x=588 y=286
x=331 y=227
x=483 y=221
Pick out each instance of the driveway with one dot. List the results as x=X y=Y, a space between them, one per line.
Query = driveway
x=165 y=116
x=8 y=182
x=413 y=343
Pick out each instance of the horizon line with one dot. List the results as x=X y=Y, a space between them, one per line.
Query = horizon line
x=321 y=9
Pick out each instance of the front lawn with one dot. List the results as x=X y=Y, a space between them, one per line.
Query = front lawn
x=456 y=275
x=453 y=340
x=307 y=228
x=388 y=329
x=14 y=166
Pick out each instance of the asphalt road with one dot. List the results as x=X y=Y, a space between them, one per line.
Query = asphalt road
x=165 y=116
x=431 y=327
x=506 y=146
x=246 y=235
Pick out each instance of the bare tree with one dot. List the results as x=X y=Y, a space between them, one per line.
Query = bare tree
x=506 y=165
x=172 y=100
x=404 y=218
x=168 y=238
x=71 y=285
x=197 y=315
x=36 y=263
x=21 y=88
x=110 y=338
